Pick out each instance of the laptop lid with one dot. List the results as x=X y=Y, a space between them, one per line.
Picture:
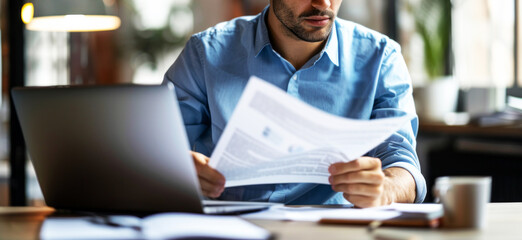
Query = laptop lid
x=109 y=148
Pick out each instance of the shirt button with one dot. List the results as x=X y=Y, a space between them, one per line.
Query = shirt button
x=294 y=77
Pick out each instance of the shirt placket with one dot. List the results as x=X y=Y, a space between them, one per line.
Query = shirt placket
x=293 y=85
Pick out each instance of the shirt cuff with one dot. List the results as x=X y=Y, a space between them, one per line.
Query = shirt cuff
x=420 y=182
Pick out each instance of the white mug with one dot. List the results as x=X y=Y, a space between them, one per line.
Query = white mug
x=464 y=200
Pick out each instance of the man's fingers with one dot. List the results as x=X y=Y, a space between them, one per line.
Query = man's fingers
x=211 y=181
x=211 y=175
x=362 y=201
x=359 y=189
x=210 y=194
x=209 y=189
x=200 y=158
x=368 y=177
x=362 y=163
x=205 y=171
x=361 y=181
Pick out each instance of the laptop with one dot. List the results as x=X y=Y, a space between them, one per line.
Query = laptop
x=120 y=148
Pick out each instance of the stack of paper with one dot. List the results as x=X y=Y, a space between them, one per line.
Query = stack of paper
x=421 y=215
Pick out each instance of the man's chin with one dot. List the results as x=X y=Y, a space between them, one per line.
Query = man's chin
x=315 y=36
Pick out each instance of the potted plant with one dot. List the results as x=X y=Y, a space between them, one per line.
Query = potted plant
x=433 y=24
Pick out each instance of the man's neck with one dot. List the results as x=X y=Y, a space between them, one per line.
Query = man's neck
x=291 y=48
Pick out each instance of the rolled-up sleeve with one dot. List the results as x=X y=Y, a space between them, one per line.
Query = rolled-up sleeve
x=394 y=98
x=188 y=77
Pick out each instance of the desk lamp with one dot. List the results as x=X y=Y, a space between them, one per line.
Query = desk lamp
x=76 y=17
x=69 y=15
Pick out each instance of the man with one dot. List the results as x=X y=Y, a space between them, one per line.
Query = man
x=332 y=64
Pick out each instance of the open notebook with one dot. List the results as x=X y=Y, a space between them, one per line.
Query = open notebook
x=157 y=226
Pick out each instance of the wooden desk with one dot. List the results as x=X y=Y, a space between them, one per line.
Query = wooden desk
x=504 y=222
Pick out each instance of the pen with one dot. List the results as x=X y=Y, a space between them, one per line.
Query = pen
x=117 y=221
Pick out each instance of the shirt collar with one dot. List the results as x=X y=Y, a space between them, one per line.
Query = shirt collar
x=332 y=46
x=262 y=39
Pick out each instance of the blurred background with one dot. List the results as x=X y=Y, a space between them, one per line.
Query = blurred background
x=463 y=57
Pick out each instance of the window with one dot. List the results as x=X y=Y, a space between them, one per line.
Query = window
x=482 y=38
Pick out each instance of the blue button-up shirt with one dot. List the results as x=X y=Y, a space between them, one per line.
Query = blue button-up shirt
x=359 y=74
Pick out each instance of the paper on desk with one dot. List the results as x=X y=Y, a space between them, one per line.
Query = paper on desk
x=414 y=208
x=273 y=137
x=315 y=214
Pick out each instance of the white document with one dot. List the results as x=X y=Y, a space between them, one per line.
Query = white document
x=158 y=226
x=314 y=214
x=273 y=137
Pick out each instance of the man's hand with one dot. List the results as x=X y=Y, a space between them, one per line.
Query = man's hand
x=365 y=184
x=212 y=182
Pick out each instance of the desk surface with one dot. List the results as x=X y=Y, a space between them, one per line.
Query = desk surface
x=504 y=222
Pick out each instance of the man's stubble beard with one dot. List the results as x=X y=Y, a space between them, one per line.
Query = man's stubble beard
x=292 y=24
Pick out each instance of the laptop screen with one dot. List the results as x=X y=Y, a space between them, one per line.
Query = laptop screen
x=109 y=148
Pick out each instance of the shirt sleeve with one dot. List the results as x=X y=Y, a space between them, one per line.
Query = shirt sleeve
x=189 y=80
x=394 y=98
